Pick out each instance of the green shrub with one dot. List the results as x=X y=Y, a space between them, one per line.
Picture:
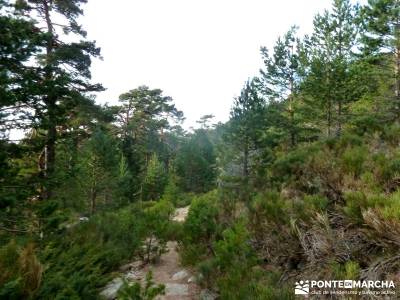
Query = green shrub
x=349 y=270
x=185 y=199
x=234 y=258
x=234 y=248
x=201 y=223
x=200 y=228
x=391 y=134
x=172 y=193
x=236 y=269
x=353 y=160
x=79 y=261
x=345 y=141
x=370 y=183
x=21 y=271
x=174 y=231
x=270 y=206
x=392 y=209
x=357 y=202
x=316 y=202
x=155 y=179
x=207 y=268
x=386 y=168
x=290 y=166
x=157 y=219
x=155 y=229
x=137 y=292
x=307 y=207
x=352 y=270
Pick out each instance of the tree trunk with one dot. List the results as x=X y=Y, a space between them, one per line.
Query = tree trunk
x=339 y=117
x=93 y=195
x=329 y=117
x=246 y=159
x=397 y=76
x=245 y=187
x=329 y=105
x=50 y=101
x=291 y=109
x=339 y=121
x=51 y=138
x=291 y=123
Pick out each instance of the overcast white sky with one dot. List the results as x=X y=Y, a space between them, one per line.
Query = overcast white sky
x=200 y=52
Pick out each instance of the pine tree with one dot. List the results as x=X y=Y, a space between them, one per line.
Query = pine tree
x=381 y=40
x=246 y=125
x=143 y=118
x=99 y=173
x=281 y=77
x=195 y=163
x=330 y=53
x=19 y=43
x=172 y=192
x=155 y=180
x=205 y=121
x=124 y=180
x=62 y=72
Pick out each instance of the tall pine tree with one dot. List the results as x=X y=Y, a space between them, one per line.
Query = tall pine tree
x=62 y=75
x=281 y=77
x=381 y=40
x=330 y=55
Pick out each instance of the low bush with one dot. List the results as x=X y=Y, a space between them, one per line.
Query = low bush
x=357 y=202
x=136 y=291
x=238 y=270
x=81 y=260
x=290 y=166
x=392 y=209
x=270 y=207
x=391 y=134
x=349 y=270
x=353 y=160
x=21 y=271
x=316 y=202
x=201 y=223
x=155 y=230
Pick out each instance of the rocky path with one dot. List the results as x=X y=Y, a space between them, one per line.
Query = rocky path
x=181 y=214
x=180 y=283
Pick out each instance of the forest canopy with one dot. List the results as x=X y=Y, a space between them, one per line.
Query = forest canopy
x=301 y=182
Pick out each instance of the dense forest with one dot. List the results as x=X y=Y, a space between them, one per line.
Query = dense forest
x=302 y=182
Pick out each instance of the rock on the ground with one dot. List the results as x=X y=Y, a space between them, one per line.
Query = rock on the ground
x=176 y=289
x=192 y=279
x=134 y=275
x=180 y=275
x=125 y=268
x=111 y=290
x=136 y=265
x=181 y=214
x=207 y=295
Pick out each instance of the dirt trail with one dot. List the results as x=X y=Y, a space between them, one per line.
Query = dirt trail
x=181 y=214
x=179 y=282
